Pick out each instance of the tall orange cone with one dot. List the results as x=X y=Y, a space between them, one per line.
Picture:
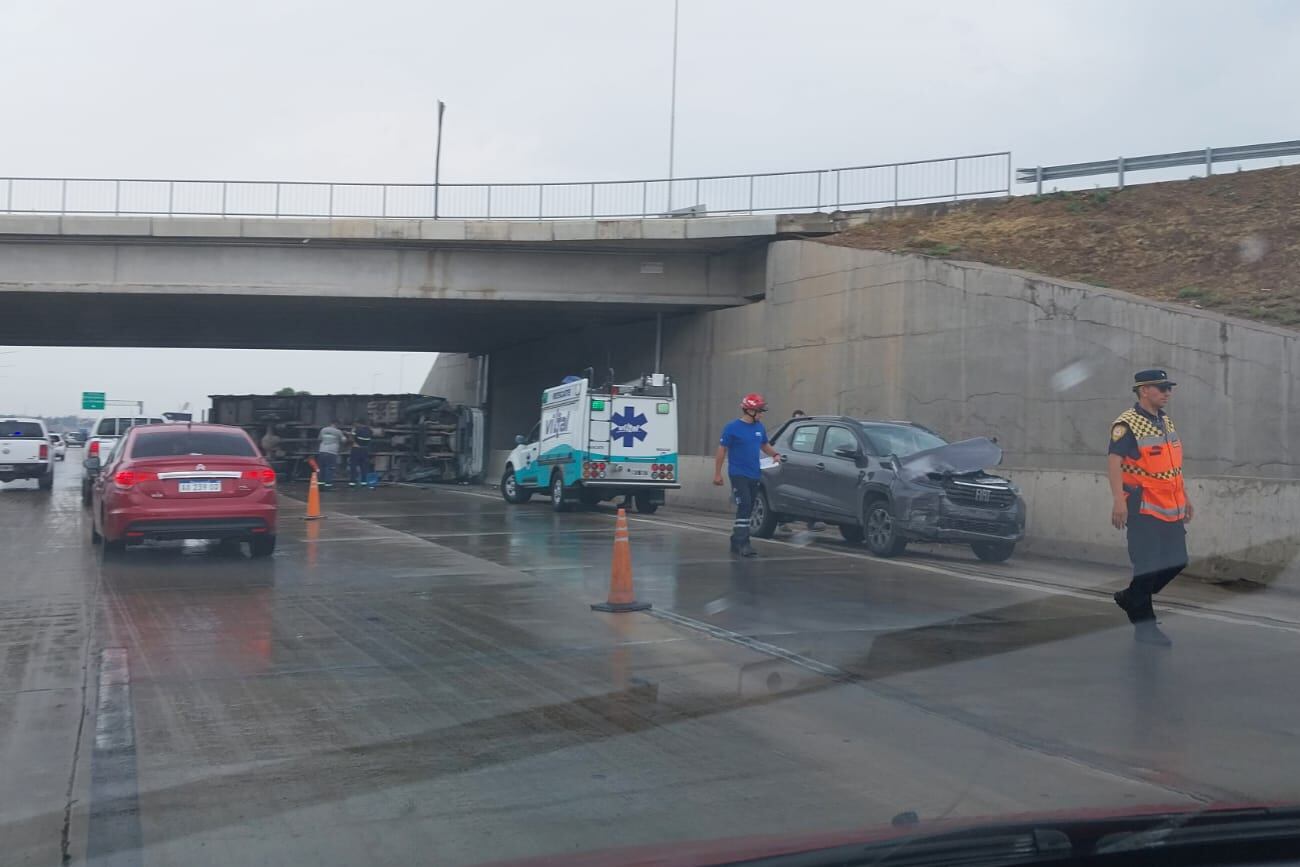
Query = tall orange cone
x=313 y=500
x=621 y=597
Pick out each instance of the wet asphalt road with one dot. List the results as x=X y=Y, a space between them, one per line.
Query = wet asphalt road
x=418 y=679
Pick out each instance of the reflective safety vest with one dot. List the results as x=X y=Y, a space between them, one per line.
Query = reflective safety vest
x=1159 y=470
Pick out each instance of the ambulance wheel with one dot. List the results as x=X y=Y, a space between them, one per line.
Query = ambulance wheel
x=645 y=505
x=559 y=496
x=511 y=490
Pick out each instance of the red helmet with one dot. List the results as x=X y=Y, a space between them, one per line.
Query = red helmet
x=754 y=400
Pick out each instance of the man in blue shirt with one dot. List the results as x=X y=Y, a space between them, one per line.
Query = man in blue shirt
x=743 y=442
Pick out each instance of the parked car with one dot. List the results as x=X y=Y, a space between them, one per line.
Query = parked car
x=107 y=431
x=886 y=484
x=59 y=446
x=184 y=481
x=25 y=452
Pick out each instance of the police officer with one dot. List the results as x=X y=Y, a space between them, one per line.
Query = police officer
x=1149 y=499
x=742 y=442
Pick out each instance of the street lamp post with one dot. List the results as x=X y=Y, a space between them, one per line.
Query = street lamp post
x=672 y=112
x=437 y=160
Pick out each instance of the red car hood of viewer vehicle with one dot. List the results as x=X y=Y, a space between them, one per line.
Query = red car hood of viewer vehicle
x=710 y=853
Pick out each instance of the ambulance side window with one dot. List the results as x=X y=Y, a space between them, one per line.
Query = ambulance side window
x=532 y=434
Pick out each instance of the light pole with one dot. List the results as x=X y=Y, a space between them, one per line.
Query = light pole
x=437 y=160
x=672 y=111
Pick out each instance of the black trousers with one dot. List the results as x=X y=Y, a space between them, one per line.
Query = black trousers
x=744 y=490
x=1158 y=551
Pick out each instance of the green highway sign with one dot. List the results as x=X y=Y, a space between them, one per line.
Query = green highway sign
x=92 y=400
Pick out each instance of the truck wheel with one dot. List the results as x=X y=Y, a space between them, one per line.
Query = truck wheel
x=993 y=552
x=511 y=490
x=47 y=481
x=645 y=505
x=881 y=532
x=762 y=521
x=559 y=496
x=852 y=533
x=85 y=493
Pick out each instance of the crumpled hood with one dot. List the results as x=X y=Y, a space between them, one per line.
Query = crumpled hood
x=960 y=458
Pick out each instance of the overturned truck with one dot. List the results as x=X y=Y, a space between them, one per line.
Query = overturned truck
x=417 y=438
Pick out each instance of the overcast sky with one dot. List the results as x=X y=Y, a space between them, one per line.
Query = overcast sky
x=579 y=89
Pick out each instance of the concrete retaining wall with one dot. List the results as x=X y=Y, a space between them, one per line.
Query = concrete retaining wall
x=972 y=350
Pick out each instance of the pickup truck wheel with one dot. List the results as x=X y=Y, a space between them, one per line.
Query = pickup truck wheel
x=559 y=496
x=85 y=493
x=882 y=537
x=993 y=552
x=852 y=533
x=511 y=490
x=762 y=520
x=47 y=481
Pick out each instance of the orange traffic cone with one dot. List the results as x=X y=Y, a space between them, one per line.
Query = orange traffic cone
x=621 y=597
x=313 y=500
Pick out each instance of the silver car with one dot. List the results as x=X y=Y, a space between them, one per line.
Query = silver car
x=889 y=483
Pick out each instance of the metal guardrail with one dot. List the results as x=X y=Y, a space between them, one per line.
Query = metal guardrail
x=1206 y=157
x=951 y=178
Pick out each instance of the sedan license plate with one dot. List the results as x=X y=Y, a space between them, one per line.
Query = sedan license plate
x=204 y=487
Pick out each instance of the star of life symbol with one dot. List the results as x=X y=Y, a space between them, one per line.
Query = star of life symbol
x=629 y=425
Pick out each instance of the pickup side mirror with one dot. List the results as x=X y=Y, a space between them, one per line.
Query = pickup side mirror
x=521 y=440
x=91 y=464
x=848 y=452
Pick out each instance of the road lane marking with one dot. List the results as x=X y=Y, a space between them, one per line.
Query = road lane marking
x=1184 y=609
x=113 y=829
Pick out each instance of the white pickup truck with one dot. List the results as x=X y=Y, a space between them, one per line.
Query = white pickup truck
x=106 y=433
x=25 y=451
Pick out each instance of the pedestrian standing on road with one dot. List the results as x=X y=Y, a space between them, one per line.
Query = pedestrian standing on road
x=1149 y=500
x=359 y=458
x=813 y=526
x=743 y=442
x=271 y=448
x=327 y=454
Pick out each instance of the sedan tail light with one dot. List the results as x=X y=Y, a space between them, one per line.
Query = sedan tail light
x=265 y=475
x=130 y=478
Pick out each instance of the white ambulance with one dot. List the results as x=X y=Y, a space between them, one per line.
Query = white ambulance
x=596 y=443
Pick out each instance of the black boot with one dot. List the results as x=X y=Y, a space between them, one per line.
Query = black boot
x=1121 y=599
x=744 y=549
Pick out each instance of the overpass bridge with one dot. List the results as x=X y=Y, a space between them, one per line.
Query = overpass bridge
x=367 y=284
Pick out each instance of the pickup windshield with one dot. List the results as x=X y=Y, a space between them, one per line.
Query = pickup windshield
x=116 y=427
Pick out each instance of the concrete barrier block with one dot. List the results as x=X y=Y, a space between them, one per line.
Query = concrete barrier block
x=29 y=224
x=486 y=230
x=97 y=225
x=443 y=230
x=273 y=228
x=730 y=227
x=663 y=228
x=576 y=230
x=396 y=229
x=538 y=231
x=194 y=227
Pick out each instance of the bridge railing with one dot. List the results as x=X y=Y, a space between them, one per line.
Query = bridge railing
x=962 y=177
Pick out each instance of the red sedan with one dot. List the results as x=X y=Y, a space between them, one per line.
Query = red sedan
x=185 y=481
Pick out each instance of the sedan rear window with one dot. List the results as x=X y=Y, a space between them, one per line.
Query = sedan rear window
x=16 y=430
x=187 y=442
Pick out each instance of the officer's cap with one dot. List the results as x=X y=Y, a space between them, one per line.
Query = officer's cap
x=1151 y=377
